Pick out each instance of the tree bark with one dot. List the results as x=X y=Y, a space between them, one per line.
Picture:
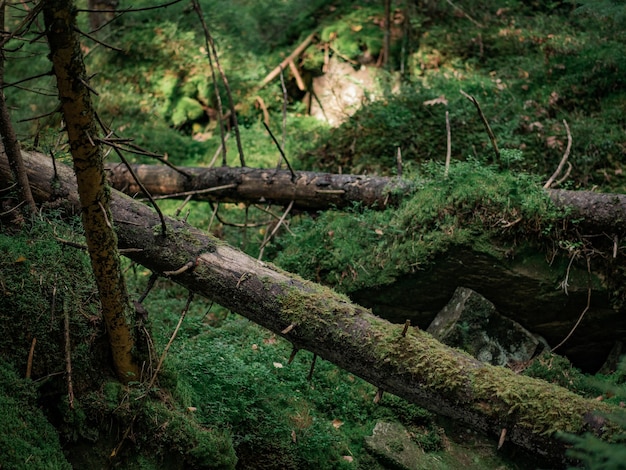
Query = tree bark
x=312 y=317
x=318 y=191
x=79 y=116
x=310 y=191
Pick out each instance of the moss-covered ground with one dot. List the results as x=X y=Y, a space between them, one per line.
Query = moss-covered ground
x=226 y=391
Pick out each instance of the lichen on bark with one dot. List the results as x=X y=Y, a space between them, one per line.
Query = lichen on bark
x=80 y=121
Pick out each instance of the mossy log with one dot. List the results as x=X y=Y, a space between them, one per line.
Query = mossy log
x=318 y=191
x=413 y=366
x=309 y=190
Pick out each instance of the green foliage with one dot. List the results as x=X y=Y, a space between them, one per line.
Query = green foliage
x=356 y=32
x=27 y=439
x=360 y=248
x=593 y=452
x=239 y=380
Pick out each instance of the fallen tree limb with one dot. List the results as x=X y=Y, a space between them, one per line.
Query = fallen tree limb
x=309 y=190
x=319 y=191
x=290 y=58
x=415 y=366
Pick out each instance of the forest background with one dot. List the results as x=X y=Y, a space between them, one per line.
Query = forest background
x=531 y=66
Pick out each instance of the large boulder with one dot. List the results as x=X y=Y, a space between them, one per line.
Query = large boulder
x=471 y=322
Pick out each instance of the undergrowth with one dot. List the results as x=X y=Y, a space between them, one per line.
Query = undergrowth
x=235 y=376
x=472 y=206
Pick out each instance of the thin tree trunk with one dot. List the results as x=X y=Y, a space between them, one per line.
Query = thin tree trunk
x=9 y=139
x=415 y=366
x=79 y=116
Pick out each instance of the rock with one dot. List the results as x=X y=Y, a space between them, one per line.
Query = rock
x=341 y=91
x=470 y=322
x=391 y=443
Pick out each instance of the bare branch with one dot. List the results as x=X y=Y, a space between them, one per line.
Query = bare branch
x=293 y=174
x=492 y=137
x=563 y=160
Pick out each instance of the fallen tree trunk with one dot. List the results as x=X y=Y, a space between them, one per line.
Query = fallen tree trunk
x=319 y=191
x=413 y=366
x=308 y=190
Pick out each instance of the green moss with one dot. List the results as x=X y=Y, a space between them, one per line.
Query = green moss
x=476 y=206
x=42 y=279
x=27 y=439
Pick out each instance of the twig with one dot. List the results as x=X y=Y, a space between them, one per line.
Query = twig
x=502 y=438
x=266 y=113
x=34 y=77
x=135 y=149
x=24 y=24
x=197 y=191
x=406 y=327
x=31 y=353
x=293 y=174
x=153 y=279
x=219 y=150
x=182 y=205
x=79 y=246
x=278 y=224
x=211 y=42
x=292 y=356
x=40 y=116
x=233 y=224
x=564 y=177
x=577 y=323
x=131 y=10
x=296 y=75
x=465 y=14
x=96 y=40
x=186 y=267
x=54 y=165
x=167 y=346
x=12 y=209
x=378 y=396
x=137 y=180
x=580 y=318
x=14 y=185
x=277 y=217
x=288 y=329
x=448 y=145
x=217 y=206
x=310 y=376
x=399 y=163
x=218 y=97
x=492 y=137
x=68 y=357
x=296 y=52
x=285 y=99
x=563 y=160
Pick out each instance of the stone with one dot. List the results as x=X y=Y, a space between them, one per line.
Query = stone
x=391 y=443
x=471 y=323
x=341 y=91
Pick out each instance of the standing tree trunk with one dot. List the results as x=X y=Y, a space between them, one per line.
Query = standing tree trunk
x=79 y=116
x=9 y=139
